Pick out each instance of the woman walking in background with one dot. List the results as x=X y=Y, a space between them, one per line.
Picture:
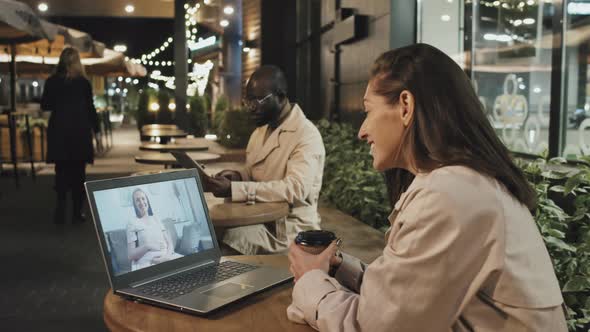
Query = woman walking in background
x=68 y=95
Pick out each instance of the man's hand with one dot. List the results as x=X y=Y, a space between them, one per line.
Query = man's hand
x=220 y=186
x=230 y=175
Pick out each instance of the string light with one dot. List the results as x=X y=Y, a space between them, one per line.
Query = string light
x=198 y=78
x=191 y=32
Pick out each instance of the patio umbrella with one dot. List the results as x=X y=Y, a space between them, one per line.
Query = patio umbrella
x=111 y=63
x=65 y=37
x=19 y=24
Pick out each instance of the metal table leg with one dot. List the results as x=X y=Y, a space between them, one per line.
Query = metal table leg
x=30 y=144
x=12 y=131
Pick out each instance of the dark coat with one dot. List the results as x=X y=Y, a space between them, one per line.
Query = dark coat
x=73 y=117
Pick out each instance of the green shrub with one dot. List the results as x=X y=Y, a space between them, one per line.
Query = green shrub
x=350 y=183
x=165 y=115
x=142 y=116
x=207 y=101
x=132 y=100
x=563 y=217
x=142 y=109
x=221 y=106
x=198 y=115
x=235 y=129
x=562 y=214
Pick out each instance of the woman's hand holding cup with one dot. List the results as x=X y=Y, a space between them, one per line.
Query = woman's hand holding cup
x=313 y=250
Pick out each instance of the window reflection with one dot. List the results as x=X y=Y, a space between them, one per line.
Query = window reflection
x=505 y=47
x=577 y=101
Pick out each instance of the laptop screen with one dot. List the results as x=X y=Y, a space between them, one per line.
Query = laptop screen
x=148 y=224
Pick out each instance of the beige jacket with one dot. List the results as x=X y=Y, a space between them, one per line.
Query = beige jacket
x=462 y=255
x=288 y=167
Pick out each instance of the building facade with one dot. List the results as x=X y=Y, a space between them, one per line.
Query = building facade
x=528 y=59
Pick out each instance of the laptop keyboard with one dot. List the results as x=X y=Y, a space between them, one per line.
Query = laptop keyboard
x=178 y=285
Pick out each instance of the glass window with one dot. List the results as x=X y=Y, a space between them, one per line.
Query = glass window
x=576 y=92
x=505 y=47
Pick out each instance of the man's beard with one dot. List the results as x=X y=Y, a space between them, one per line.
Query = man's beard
x=266 y=117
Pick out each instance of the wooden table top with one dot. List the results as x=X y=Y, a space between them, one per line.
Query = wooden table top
x=25 y=112
x=164 y=133
x=234 y=214
x=158 y=126
x=266 y=311
x=173 y=147
x=158 y=158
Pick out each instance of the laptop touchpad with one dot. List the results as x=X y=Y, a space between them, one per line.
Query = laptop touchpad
x=228 y=290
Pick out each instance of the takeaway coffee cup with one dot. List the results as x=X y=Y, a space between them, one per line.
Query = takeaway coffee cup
x=314 y=241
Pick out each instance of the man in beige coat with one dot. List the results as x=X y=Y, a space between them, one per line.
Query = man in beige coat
x=284 y=163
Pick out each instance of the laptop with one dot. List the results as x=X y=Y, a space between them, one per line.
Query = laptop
x=159 y=245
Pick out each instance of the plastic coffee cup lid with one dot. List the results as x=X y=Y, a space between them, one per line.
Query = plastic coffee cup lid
x=315 y=238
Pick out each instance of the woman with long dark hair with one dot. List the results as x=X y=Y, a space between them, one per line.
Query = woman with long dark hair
x=68 y=95
x=463 y=252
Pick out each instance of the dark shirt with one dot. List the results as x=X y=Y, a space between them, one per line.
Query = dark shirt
x=73 y=118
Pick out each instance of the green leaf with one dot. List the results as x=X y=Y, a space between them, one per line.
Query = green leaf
x=559 y=243
x=558 y=189
x=577 y=284
x=554 y=175
x=572 y=182
x=558 y=160
x=556 y=233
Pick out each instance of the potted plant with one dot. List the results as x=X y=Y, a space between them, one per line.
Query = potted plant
x=165 y=115
x=235 y=129
x=221 y=106
x=144 y=115
x=198 y=115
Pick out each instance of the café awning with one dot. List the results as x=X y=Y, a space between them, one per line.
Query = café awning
x=19 y=24
x=111 y=63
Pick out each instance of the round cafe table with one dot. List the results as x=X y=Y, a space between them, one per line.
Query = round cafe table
x=164 y=134
x=169 y=133
x=266 y=311
x=167 y=159
x=173 y=147
x=234 y=214
x=158 y=126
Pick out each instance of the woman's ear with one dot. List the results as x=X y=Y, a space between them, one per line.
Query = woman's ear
x=406 y=101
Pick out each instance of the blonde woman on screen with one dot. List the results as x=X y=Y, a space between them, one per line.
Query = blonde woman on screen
x=148 y=241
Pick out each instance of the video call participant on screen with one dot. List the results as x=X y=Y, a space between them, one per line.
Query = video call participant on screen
x=148 y=241
x=284 y=163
